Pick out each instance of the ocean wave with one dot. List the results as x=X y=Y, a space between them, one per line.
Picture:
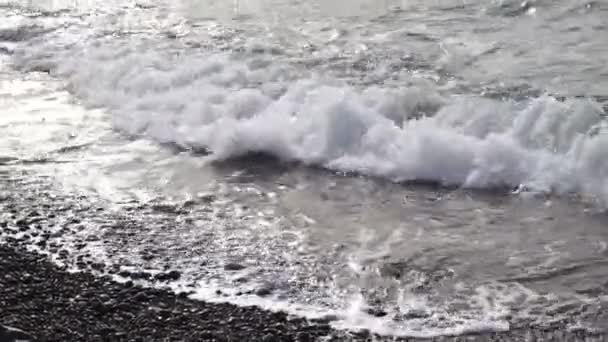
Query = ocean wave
x=233 y=106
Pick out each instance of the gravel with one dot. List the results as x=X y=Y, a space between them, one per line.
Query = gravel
x=52 y=304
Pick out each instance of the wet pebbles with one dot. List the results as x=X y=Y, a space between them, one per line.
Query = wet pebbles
x=54 y=305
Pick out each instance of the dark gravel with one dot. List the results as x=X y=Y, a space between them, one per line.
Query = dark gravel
x=54 y=305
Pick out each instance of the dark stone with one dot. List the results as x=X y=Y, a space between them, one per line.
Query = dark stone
x=98 y=266
x=21 y=223
x=263 y=292
x=304 y=337
x=393 y=269
x=135 y=275
x=233 y=267
x=141 y=297
x=415 y=314
x=147 y=257
x=184 y=295
x=169 y=276
x=376 y=312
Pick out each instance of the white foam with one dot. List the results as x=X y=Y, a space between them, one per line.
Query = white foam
x=234 y=107
x=439 y=322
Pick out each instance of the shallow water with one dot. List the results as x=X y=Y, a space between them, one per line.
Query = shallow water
x=413 y=168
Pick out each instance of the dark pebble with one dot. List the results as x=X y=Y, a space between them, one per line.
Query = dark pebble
x=141 y=297
x=241 y=280
x=263 y=292
x=376 y=312
x=234 y=267
x=135 y=275
x=415 y=314
x=184 y=295
x=98 y=266
x=169 y=276
x=147 y=257
x=304 y=337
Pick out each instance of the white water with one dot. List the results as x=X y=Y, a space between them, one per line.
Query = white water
x=233 y=107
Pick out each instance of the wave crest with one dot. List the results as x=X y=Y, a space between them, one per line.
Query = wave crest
x=232 y=107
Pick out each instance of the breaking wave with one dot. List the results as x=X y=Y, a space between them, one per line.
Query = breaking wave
x=234 y=105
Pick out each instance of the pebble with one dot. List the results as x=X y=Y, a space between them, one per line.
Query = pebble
x=416 y=314
x=233 y=267
x=376 y=312
x=169 y=276
x=263 y=292
x=135 y=275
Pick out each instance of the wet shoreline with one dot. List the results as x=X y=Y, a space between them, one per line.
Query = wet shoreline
x=52 y=303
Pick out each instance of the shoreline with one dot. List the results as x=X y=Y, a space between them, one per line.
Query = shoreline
x=51 y=304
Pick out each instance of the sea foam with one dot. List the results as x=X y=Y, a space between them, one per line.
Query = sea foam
x=233 y=105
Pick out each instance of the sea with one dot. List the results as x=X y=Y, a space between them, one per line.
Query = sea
x=415 y=168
